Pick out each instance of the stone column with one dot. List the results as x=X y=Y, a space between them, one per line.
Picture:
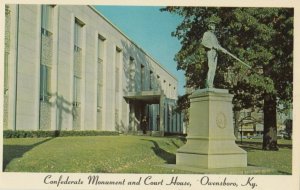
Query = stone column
x=161 y=115
x=132 y=124
x=211 y=140
x=160 y=122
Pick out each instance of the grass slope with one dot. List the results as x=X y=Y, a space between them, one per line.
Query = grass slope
x=116 y=154
x=108 y=154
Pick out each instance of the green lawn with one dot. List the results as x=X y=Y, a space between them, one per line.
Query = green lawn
x=280 y=160
x=116 y=154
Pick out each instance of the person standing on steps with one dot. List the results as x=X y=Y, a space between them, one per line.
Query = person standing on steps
x=144 y=124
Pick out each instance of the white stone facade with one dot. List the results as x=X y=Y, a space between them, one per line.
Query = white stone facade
x=73 y=70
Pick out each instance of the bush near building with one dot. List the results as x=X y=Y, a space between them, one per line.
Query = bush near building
x=56 y=133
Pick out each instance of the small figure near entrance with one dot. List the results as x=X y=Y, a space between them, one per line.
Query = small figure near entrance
x=157 y=122
x=144 y=124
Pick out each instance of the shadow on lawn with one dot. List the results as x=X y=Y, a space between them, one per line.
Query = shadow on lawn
x=11 y=152
x=168 y=157
x=176 y=145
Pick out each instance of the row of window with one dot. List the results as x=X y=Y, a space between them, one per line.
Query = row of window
x=153 y=82
x=45 y=73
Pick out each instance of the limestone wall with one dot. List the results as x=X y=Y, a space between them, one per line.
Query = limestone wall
x=28 y=66
x=56 y=51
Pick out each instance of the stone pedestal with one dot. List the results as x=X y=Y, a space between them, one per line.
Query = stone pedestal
x=211 y=140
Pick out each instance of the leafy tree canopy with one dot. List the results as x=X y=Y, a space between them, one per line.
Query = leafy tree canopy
x=262 y=37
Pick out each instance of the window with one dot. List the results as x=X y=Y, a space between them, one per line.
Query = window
x=100 y=71
x=46 y=52
x=47 y=19
x=151 y=80
x=76 y=91
x=99 y=83
x=117 y=80
x=77 y=62
x=131 y=59
x=78 y=35
x=101 y=40
x=44 y=82
x=117 y=70
x=132 y=74
x=117 y=83
x=7 y=48
x=174 y=91
x=142 y=77
x=6 y=72
x=158 y=82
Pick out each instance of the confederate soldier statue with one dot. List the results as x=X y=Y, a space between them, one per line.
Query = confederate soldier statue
x=211 y=44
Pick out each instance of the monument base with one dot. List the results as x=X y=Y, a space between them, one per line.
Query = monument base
x=211 y=140
x=212 y=161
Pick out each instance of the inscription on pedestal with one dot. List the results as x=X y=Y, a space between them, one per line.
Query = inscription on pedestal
x=221 y=120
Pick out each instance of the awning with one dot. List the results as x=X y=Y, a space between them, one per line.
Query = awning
x=150 y=97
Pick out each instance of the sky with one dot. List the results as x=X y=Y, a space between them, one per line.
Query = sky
x=151 y=30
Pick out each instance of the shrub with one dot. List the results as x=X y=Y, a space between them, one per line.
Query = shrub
x=56 y=133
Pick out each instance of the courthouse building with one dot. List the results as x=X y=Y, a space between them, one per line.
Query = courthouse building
x=68 y=68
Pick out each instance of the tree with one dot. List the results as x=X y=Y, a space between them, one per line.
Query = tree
x=261 y=36
x=183 y=104
x=288 y=128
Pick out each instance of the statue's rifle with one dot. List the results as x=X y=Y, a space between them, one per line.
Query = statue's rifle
x=233 y=56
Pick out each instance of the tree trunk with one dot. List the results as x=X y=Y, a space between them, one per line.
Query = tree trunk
x=270 y=125
x=236 y=123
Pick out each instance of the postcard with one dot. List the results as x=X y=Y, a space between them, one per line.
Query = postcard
x=149 y=95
